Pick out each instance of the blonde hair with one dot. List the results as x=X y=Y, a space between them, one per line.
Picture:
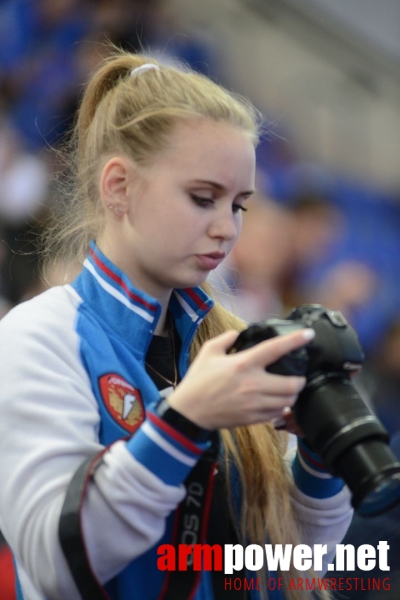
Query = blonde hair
x=135 y=116
x=258 y=452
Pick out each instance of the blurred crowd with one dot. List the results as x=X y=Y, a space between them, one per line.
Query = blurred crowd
x=310 y=236
x=47 y=50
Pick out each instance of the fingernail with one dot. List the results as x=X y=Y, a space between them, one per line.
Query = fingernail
x=278 y=423
x=308 y=334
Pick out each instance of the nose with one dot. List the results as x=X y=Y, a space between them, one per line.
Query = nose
x=225 y=225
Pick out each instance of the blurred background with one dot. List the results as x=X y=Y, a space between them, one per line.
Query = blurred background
x=324 y=226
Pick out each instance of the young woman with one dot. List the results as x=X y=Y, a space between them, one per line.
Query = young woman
x=100 y=472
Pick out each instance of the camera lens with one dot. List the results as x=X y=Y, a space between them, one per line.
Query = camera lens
x=352 y=442
x=373 y=476
x=381 y=498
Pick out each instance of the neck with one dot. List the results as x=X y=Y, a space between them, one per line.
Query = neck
x=162 y=325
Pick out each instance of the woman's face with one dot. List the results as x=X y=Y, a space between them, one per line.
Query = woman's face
x=185 y=214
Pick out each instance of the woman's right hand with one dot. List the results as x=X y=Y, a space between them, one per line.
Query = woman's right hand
x=223 y=390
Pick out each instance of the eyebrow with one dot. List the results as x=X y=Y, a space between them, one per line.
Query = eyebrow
x=220 y=187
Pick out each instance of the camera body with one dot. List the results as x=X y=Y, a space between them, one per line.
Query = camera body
x=335 y=420
x=334 y=350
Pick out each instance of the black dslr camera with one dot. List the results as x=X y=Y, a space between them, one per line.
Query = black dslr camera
x=337 y=423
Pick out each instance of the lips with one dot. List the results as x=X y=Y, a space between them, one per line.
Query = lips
x=211 y=260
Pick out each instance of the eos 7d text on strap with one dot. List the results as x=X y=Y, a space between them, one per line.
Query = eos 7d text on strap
x=202 y=515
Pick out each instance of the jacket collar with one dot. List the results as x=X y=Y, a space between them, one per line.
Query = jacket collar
x=131 y=313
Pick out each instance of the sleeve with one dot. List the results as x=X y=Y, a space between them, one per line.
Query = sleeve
x=321 y=501
x=48 y=428
x=148 y=470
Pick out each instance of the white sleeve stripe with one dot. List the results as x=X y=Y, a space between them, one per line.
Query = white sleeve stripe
x=155 y=437
x=306 y=467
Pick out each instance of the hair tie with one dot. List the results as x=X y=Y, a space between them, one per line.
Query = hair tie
x=143 y=69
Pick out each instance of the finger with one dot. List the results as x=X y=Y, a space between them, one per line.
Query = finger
x=271 y=413
x=278 y=423
x=277 y=403
x=285 y=420
x=282 y=385
x=271 y=404
x=271 y=350
x=290 y=422
x=222 y=342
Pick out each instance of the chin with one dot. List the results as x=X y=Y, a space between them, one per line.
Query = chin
x=191 y=282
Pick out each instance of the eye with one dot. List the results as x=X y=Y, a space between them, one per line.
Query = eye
x=202 y=201
x=237 y=207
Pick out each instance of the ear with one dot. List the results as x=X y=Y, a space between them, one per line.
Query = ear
x=115 y=180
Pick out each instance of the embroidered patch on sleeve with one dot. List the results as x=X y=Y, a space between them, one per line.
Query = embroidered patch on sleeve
x=122 y=400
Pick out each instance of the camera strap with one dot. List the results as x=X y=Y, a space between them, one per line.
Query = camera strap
x=222 y=530
x=191 y=523
x=70 y=534
x=202 y=517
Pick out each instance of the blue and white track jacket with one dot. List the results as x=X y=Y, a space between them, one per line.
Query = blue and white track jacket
x=72 y=381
